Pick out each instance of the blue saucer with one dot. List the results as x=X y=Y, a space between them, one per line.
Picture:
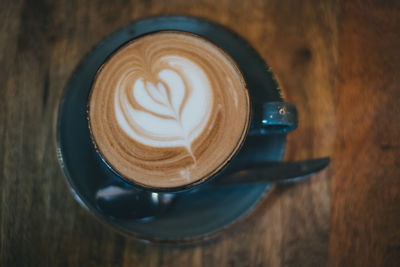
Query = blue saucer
x=192 y=215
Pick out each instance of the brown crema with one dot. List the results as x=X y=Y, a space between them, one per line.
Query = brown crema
x=144 y=71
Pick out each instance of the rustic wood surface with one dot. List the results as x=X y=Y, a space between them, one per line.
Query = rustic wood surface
x=338 y=62
x=365 y=218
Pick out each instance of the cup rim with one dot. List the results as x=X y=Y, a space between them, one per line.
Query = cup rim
x=212 y=174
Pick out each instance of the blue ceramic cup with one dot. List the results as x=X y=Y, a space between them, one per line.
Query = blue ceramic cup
x=265 y=118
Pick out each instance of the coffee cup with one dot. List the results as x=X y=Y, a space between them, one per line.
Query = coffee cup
x=170 y=110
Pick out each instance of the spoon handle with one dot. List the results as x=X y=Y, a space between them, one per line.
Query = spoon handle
x=273 y=172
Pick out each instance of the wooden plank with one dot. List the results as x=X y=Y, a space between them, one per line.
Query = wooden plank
x=366 y=182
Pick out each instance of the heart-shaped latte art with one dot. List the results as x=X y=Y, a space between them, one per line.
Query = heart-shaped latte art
x=167 y=109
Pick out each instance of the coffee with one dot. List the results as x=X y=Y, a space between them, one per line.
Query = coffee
x=168 y=109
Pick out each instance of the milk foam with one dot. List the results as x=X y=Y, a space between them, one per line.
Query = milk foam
x=173 y=112
x=168 y=109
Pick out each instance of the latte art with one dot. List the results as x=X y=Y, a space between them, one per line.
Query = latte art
x=168 y=109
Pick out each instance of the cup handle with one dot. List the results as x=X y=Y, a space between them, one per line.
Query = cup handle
x=273 y=118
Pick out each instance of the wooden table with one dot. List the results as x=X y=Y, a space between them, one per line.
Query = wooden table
x=338 y=61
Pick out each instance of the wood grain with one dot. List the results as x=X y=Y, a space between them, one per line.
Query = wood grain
x=308 y=44
x=365 y=228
